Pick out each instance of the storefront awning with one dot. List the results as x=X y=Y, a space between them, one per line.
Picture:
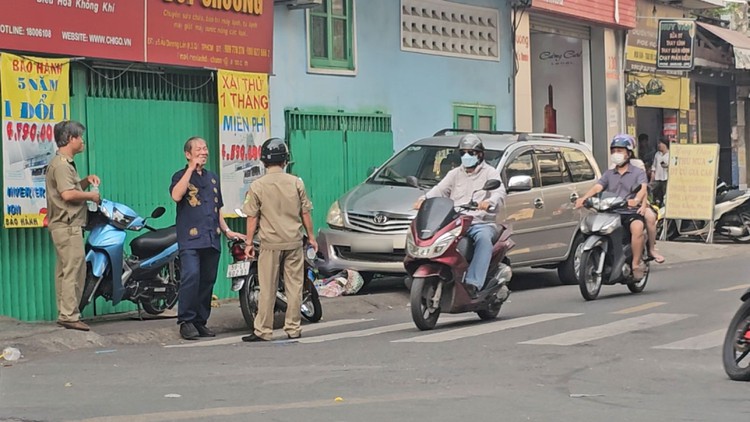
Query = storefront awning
x=739 y=41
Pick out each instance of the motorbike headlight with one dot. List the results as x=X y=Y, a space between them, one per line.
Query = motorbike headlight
x=609 y=227
x=434 y=250
x=335 y=218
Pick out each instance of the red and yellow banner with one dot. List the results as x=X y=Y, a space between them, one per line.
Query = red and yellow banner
x=35 y=96
x=244 y=124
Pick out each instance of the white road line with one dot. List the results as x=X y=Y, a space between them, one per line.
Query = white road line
x=480 y=329
x=238 y=339
x=377 y=330
x=639 y=308
x=608 y=330
x=701 y=342
x=734 y=288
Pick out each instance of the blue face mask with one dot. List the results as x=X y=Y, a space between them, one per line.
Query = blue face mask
x=469 y=160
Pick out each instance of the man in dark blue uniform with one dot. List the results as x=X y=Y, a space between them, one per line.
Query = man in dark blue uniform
x=199 y=226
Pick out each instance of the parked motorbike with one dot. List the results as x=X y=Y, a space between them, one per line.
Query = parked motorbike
x=606 y=255
x=243 y=272
x=731 y=217
x=736 y=350
x=438 y=253
x=148 y=277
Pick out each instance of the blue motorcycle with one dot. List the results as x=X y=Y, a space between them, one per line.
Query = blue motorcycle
x=148 y=277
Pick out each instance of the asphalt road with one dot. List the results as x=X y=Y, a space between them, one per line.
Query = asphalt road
x=551 y=356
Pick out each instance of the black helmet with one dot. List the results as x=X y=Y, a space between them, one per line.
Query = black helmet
x=471 y=142
x=274 y=151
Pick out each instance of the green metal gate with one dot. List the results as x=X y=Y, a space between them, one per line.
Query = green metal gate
x=333 y=152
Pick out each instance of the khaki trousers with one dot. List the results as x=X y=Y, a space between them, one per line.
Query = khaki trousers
x=270 y=263
x=70 y=271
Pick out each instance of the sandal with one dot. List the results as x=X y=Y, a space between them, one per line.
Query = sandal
x=639 y=273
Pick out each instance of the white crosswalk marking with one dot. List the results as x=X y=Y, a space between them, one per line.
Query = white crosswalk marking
x=480 y=329
x=701 y=342
x=734 y=288
x=238 y=339
x=607 y=330
x=376 y=330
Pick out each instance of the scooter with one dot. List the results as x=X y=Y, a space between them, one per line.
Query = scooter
x=243 y=272
x=606 y=255
x=438 y=253
x=148 y=277
x=731 y=217
x=736 y=350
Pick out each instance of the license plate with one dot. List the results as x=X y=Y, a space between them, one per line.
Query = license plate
x=372 y=245
x=238 y=269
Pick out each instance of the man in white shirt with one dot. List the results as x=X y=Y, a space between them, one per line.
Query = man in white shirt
x=661 y=171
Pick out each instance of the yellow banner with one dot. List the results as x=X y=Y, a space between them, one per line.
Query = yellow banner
x=691 y=187
x=35 y=96
x=244 y=124
x=667 y=91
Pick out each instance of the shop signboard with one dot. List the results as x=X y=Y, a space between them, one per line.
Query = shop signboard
x=35 y=96
x=675 y=44
x=236 y=35
x=244 y=123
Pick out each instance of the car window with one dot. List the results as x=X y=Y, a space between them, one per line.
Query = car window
x=579 y=166
x=428 y=163
x=550 y=168
x=522 y=165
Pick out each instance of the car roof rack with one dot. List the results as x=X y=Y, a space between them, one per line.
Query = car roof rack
x=443 y=132
x=522 y=136
x=546 y=136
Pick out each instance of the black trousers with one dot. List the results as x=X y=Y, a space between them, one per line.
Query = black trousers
x=197 y=277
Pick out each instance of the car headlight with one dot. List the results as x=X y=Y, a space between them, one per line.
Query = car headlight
x=434 y=250
x=335 y=217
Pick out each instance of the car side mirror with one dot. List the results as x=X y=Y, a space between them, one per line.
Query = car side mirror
x=520 y=183
x=492 y=184
x=158 y=212
x=413 y=182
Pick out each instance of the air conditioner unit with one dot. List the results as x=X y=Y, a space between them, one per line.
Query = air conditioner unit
x=299 y=4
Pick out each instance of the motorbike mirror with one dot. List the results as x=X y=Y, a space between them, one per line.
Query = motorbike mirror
x=636 y=189
x=491 y=184
x=158 y=212
x=413 y=182
x=240 y=213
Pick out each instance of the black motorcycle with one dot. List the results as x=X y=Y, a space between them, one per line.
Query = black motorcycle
x=736 y=350
x=244 y=275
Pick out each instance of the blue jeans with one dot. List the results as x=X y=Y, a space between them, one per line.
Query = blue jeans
x=482 y=235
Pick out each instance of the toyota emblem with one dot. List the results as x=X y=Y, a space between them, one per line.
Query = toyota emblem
x=380 y=219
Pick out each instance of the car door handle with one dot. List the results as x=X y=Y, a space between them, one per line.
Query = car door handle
x=573 y=197
x=538 y=203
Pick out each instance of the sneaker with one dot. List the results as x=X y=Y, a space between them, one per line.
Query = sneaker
x=188 y=331
x=204 y=331
x=74 y=325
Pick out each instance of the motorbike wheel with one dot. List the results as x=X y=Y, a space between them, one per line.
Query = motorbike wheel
x=249 y=298
x=156 y=305
x=589 y=282
x=311 y=308
x=88 y=289
x=746 y=222
x=672 y=233
x=737 y=345
x=424 y=313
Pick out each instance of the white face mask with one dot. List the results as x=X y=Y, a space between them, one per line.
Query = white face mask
x=618 y=159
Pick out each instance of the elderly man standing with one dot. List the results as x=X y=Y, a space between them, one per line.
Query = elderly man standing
x=200 y=223
x=66 y=213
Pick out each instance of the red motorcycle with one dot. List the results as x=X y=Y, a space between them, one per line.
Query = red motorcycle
x=438 y=252
x=736 y=350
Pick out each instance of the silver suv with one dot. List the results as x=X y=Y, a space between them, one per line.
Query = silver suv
x=368 y=225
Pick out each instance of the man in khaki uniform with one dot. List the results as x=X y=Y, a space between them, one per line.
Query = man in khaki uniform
x=66 y=213
x=278 y=205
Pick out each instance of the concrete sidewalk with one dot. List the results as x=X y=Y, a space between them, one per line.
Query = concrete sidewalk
x=109 y=331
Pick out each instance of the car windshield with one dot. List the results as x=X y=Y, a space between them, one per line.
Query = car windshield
x=427 y=163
